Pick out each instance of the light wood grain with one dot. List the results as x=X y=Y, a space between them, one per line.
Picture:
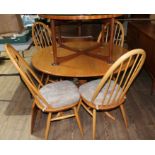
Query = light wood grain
x=118 y=38
x=121 y=79
x=79 y=66
x=79 y=17
x=54 y=18
x=15 y=113
x=41 y=36
x=28 y=76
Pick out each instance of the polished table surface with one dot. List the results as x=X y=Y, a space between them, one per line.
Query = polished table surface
x=79 y=66
x=80 y=16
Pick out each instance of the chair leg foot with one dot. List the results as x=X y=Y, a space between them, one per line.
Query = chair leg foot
x=124 y=115
x=78 y=120
x=94 y=123
x=48 y=125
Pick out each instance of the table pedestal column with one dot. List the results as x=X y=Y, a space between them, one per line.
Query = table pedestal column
x=54 y=45
x=111 y=40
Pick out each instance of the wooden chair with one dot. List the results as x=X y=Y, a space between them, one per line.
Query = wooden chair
x=118 y=34
x=53 y=99
x=41 y=35
x=109 y=92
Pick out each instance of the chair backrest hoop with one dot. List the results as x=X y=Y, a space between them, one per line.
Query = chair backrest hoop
x=118 y=34
x=28 y=76
x=41 y=35
x=121 y=74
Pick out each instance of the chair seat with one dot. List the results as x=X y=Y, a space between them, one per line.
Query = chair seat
x=60 y=93
x=87 y=91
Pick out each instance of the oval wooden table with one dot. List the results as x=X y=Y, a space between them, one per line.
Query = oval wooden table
x=82 y=65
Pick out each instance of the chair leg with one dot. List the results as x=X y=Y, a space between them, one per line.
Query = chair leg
x=42 y=77
x=48 y=125
x=78 y=120
x=94 y=123
x=33 y=117
x=79 y=105
x=124 y=115
x=110 y=116
x=47 y=79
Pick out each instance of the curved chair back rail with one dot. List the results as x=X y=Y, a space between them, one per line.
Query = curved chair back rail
x=28 y=75
x=118 y=34
x=119 y=82
x=41 y=35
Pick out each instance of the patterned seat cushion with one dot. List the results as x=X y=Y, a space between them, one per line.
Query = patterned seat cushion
x=60 y=93
x=87 y=91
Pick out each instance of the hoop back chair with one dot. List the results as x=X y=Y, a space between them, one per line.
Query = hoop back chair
x=41 y=35
x=118 y=34
x=53 y=98
x=110 y=91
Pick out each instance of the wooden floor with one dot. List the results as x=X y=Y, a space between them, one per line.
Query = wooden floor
x=15 y=112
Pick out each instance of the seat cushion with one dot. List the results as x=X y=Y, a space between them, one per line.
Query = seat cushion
x=60 y=93
x=87 y=91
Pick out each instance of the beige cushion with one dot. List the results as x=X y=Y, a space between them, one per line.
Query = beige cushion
x=87 y=91
x=60 y=93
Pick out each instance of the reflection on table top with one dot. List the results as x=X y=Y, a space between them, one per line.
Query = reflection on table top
x=80 y=66
x=80 y=16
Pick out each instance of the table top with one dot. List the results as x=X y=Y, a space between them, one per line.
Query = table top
x=80 y=17
x=79 y=66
